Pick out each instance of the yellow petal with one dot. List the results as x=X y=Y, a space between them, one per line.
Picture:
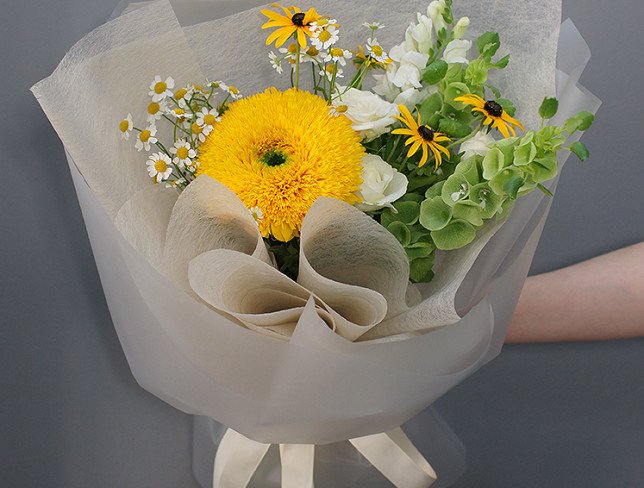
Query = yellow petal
x=301 y=38
x=414 y=148
x=425 y=157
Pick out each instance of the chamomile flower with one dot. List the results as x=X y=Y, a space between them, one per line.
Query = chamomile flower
x=179 y=113
x=375 y=50
x=183 y=153
x=276 y=62
x=332 y=70
x=374 y=26
x=156 y=110
x=207 y=119
x=182 y=96
x=159 y=167
x=256 y=213
x=337 y=110
x=160 y=89
x=198 y=131
x=125 y=127
x=338 y=55
x=146 y=137
x=230 y=89
x=325 y=38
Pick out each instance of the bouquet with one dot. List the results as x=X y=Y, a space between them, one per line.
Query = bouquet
x=310 y=242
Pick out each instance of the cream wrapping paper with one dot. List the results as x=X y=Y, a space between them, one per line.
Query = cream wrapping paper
x=314 y=386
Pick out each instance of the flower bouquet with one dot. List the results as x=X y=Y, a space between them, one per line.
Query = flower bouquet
x=310 y=242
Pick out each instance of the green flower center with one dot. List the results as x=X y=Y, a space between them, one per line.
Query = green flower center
x=273 y=157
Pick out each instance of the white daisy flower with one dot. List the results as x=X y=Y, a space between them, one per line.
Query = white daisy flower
x=207 y=119
x=182 y=95
x=331 y=70
x=179 y=113
x=375 y=50
x=339 y=55
x=160 y=89
x=257 y=213
x=159 y=167
x=325 y=38
x=230 y=89
x=125 y=126
x=337 y=110
x=374 y=26
x=146 y=137
x=198 y=130
x=276 y=62
x=322 y=23
x=156 y=110
x=183 y=153
x=312 y=54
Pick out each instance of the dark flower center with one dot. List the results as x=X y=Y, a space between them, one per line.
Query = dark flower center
x=493 y=108
x=426 y=133
x=298 y=19
x=273 y=157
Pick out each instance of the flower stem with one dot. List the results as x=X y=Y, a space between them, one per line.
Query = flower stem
x=297 y=66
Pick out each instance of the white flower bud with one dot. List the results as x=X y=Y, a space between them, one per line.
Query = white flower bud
x=461 y=27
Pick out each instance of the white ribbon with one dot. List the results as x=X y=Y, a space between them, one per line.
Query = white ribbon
x=391 y=453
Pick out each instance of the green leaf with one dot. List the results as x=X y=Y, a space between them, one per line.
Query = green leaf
x=456 y=188
x=420 y=270
x=503 y=62
x=454 y=90
x=524 y=154
x=435 y=72
x=488 y=44
x=430 y=106
x=469 y=211
x=493 y=163
x=454 y=236
x=476 y=72
x=544 y=168
x=579 y=122
x=453 y=128
x=435 y=214
x=407 y=211
x=419 y=250
x=400 y=232
x=512 y=185
x=495 y=91
x=580 y=150
x=434 y=190
x=548 y=108
x=507 y=106
x=507 y=181
x=487 y=200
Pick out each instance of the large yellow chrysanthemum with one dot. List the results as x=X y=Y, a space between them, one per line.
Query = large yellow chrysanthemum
x=280 y=151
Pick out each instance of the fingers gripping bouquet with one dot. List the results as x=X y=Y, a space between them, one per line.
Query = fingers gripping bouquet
x=320 y=258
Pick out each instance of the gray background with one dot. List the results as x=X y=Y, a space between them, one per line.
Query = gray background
x=73 y=416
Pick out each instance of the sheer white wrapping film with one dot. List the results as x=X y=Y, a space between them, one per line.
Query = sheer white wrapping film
x=164 y=272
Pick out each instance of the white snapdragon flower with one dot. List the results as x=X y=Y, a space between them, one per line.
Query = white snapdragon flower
x=479 y=145
x=412 y=97
x=384 y=84
x=435 y=12
x=422 y=33
x=456 y=51
x=410 y=66
x=369 y=114
x=461 y=27
x=381 y=184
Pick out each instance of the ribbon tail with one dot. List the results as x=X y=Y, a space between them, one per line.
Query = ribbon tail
x=394 y=455
x=236 y=460
x=297 y=465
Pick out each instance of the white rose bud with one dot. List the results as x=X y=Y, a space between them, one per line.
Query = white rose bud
x=369 y=114
x=461 y=27
x=478 y=145
x=381 y=184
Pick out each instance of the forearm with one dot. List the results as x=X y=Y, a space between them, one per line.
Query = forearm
x=599 y=299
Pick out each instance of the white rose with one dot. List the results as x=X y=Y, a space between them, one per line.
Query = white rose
x=370 y=115
x=461 y=27
x=435 y=12
x=381 y=184
x=478 y=145
x=456 y=51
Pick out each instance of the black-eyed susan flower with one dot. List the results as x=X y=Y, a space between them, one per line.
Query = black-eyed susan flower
x=294 y=21
x=494 y=114
x=280 y=151
x=421 y=137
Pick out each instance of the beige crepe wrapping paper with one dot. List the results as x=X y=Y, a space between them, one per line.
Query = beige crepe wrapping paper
x=206 y=321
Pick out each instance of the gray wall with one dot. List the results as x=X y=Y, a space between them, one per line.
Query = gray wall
x=72 y=415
